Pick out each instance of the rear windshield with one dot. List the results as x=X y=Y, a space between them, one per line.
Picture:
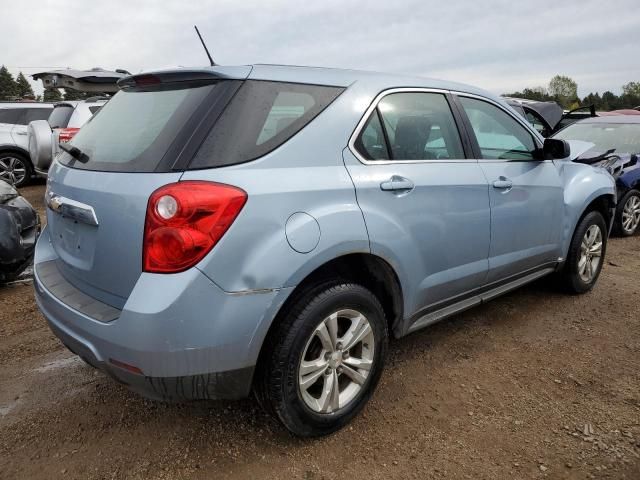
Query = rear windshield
x=133 y=131
x=60 y=116
x=261 y=117
x=146 y=130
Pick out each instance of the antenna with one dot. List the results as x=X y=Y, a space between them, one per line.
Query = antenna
x=213 y=64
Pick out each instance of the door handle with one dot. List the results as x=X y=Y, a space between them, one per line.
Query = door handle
x=21 y=133
x=397 y=184
x=503 y=183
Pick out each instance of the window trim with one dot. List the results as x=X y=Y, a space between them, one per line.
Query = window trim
x=457 y=118
x=472 y=136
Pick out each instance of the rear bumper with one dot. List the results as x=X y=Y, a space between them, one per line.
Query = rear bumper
x=184 y=337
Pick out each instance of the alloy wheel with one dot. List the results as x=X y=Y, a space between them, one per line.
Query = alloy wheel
x=590 y=254
x=13 y=170
x=336 y=361
x=631 y=214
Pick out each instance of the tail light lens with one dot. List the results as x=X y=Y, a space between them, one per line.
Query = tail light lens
x=67 y=134
x=184 y=222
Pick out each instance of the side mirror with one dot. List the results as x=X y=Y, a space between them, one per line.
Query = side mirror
x=555 y=148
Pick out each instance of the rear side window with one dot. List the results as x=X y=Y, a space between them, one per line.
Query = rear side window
x=60 y=116
x=411 y=126
x=261 y=117
x=9 y=115
x=31 y=114
x=93 y=110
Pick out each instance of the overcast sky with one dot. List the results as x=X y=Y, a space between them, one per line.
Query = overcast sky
x=500 y=45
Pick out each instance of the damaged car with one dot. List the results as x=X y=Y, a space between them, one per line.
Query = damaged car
x=616 y=146
x=543 y=116
x=19 y=230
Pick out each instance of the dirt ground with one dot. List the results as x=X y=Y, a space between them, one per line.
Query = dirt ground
x=535 y=384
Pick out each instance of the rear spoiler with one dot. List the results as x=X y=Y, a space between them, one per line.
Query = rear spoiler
x=203 y=75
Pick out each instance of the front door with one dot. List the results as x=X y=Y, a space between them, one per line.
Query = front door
x=425 y=205
x=526 y=192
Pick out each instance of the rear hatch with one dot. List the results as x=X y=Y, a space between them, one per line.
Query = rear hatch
x=142 y=139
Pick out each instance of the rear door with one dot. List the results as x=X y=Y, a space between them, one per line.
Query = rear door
x=527 y=197
x=98 y=206
x=19 y=131
x=425 y=204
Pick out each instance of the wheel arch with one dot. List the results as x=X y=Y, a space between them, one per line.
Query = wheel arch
x=366 y=269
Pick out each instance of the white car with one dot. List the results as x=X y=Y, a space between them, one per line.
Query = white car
x=63 y=123
x=16 y=166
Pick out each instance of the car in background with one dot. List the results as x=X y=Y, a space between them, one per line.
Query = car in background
x=543 y=116
x=64 y=121
x=19 y=230
x=223 y=230
x=15 y=162
x=616 y=146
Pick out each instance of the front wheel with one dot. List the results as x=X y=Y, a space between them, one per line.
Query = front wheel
x=15 y=169
x=326 y=359
x=586 y=254
x=628 y=214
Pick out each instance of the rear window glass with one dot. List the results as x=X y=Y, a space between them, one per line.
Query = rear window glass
x=261 y=117
x=94 y=109
x=9 y=115
x=60 y=116
x=135 y=129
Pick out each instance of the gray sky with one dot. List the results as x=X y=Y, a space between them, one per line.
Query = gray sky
x=500 y=45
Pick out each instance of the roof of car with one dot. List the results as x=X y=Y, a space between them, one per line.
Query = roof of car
x=326 y=76
x=26 y=105
x=612 y=119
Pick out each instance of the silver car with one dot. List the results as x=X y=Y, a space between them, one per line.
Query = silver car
x=220 y=231
x=15 y=163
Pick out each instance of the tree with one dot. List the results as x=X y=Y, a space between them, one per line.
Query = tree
x=52 y=95
x=563 y=89
x=71 y=94
x=632 y=89
x=24 y=89
x=8 y=87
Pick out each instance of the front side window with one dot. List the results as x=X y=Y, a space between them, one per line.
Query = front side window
x=411 y=126
x=499 y=136
x=9 y=115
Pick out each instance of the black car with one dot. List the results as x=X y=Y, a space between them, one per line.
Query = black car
x=19 y=230
x=543 y=116
x=616 y=147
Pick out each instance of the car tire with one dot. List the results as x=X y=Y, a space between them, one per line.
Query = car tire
x=15 y=165
x=306 y=373
x=627 y=218
x=586 y=254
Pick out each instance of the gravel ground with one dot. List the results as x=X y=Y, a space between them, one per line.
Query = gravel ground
x=535 y=384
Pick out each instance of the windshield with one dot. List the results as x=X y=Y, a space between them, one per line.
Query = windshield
x=624 y=137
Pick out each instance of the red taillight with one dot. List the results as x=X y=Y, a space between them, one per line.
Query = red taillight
x=67 y=134
x=184 y=221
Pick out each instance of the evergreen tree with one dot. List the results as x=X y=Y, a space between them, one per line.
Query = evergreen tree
x=71 y=94
x=8 y=87
x=23 y=87
x=52 y=95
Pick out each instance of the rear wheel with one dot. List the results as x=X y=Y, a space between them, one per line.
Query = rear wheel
x=628 y=214
x=15 y=168
x=326 y=359
x=586 y=254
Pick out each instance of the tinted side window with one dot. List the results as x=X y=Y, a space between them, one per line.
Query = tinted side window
x=60 y=116
x=371 y=143
x=498 y=134
x=31 y=114
x=418 y=126
x=261 y=117
x=9 y=115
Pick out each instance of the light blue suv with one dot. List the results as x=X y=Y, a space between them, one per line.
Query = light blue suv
x=220 y=231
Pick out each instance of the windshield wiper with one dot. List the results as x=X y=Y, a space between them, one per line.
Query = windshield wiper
x=75 y=152
x=599 y=158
